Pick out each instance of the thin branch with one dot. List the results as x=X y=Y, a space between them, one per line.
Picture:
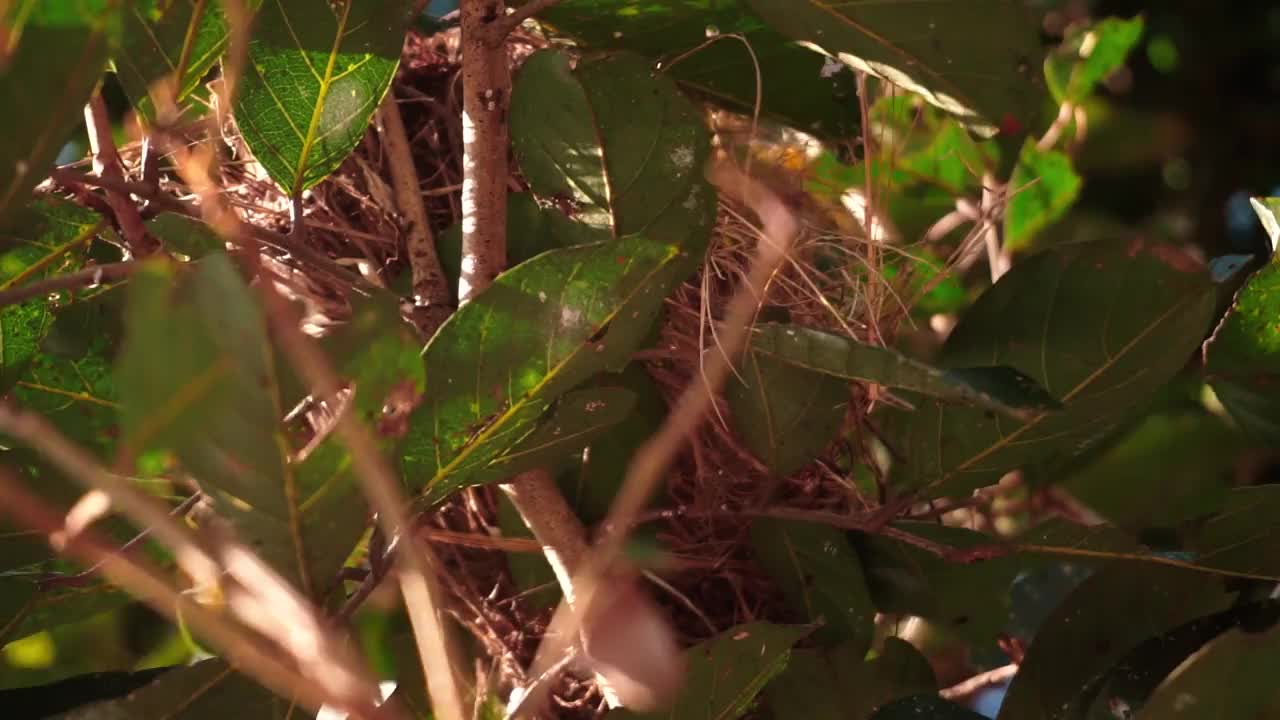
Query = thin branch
x=431 y=297
x=75 y=463
x=503 y=27
x=106 y=162
x=89 y=277
x=165 y=201
x=418 y=585
x=651 y=461
x=981 y=681
x=141 y=580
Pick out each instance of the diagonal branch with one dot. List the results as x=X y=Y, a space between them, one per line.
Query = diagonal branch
x=106 y=162
x=430 y=287
x=503 y=26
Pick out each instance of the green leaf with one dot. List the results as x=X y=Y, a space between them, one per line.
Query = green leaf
x=1242 y=358
x=54 y=239
x=314 y=77
x=1043 y=186
x=531 y=230
x=920 y=706
x=197 y=376
x=172 y=44
x=1001 y=389
x=1090 y=55
x=1126 y=686
x=188 y=236
x=795 y=89
x=1099 y=325
x=1171 y=468
x=727 y=672
x=940 y=49
x=30 y=609
x=580 y=133
x=541 y=329
x=1267 y=210
x=820 y=576
x=591 y=485
x=62 y=55
x=1105 y=618
x=968 y=599
x=1244 y=536
x=838 y=684
x=787 y=415
x=206 y=690
x=576 y=420
x=1230 y=677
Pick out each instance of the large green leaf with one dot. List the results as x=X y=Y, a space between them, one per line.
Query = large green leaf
x=314 y=77
x=184 y=235
x=206 y=690
x=54 y=238
x=1043 y=186
x=1001 y=389
x=1088 y=56
x=1128 y=685
x=1099 y=624
x=787 y=415
x=727 y=672
x=1100 y=325
x=176 y=42
x=197 y=376
x=838 y=684
x=1170 y=468
x=821 y=577
x=542 y=328
x=941 y=49
x=793 y=87
x=583 y=133
x=62 y=54
x=1243 y=356
x=1231 y=677
x=970 y=600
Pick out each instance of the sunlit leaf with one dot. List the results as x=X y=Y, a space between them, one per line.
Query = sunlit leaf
x=54 y=238
x=542 y=328
x=1242 y=357
x=940 y=49
x=1101 y=326
x=786 y=414
x=795 y=88
x=61 y=56
x=1002 y=389
x=727 y=672
x=167 y=48
x=821 y=577
x=314 y=77
x=1044 y=186
x=1088 y=56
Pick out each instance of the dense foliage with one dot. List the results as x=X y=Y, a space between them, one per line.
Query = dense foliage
x=989 y=435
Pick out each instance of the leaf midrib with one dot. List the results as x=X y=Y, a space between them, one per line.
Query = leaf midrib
x=1079 y=388
x=500 y=422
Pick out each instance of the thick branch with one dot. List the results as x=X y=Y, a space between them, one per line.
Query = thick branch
x=106 y=162
x=503 y=27
x=486 y=87
x=86 y=278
